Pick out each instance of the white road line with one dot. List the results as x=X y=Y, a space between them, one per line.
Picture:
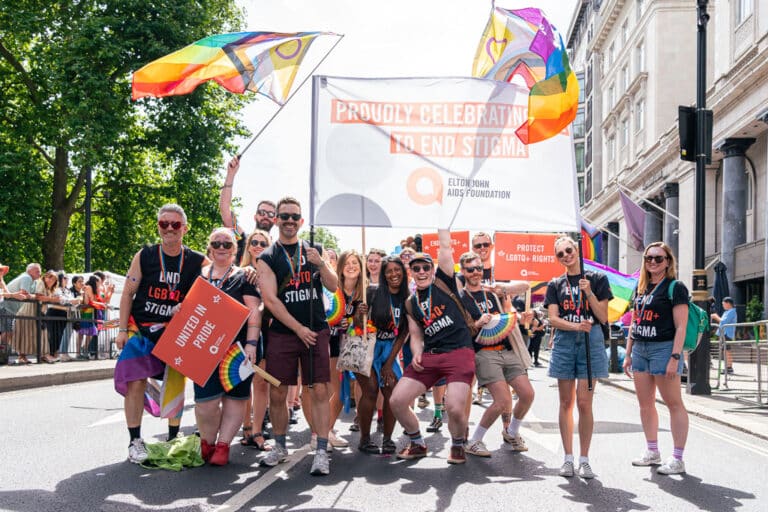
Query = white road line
x=240 y=499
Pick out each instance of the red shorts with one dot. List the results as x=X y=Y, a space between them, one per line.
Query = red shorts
x=454 y=366
x=285 y=350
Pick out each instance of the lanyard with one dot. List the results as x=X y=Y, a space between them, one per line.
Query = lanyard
x=218 y=283
x=295 y=272
x=428 y=313
x=395 y=315
x=639 y=316
x=163 y=269
x=569 y=289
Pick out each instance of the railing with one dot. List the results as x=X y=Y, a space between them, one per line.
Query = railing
x=69 y=345
x=750 y=362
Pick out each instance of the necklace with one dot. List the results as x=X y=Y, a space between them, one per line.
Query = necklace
x=295 y=266
x=164 y=270
x=428 y=313
x=218 y=283
x=395 y=315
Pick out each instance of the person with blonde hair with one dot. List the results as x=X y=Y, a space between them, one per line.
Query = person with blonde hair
x=654 y=348
x=577 y=305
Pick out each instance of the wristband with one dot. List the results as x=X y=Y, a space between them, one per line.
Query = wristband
x=253 y=343
x=122 y=330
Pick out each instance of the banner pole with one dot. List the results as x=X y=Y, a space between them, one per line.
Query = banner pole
x=586 y=334
x=311 y=383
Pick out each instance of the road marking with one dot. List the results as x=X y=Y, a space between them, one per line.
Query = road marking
x=280 y=472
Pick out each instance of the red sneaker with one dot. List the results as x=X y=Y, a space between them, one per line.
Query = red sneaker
x=220 y=455
x=413 y=451
x=206 y=450
x=457 y=455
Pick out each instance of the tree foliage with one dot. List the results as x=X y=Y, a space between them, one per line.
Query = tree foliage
x=323 y=236
x=65 y=72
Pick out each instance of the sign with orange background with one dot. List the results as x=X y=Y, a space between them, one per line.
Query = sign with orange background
x=525 y=257
x=459 y=244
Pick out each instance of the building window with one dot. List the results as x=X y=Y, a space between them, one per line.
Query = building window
x=640 y=57
x=588 y=151
x=743 y=10
x=624 y=32
x=579 y=151
x=588 y=186
x=580 y=78
x=624 y=132
x=625 y=78
x=578 y=124
x=611 y=143
x=611 y=51
x=610 y=98
x=639 y=8
x=588 y=120
x=639 y=115
x=588 y=80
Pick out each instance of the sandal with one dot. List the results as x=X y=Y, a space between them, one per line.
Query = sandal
x=355 y=426
x=388 y=447
x=247 y=439
x=367 y=446
x=260 y=446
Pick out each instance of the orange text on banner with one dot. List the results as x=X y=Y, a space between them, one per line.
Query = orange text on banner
x=459 y=244
x=198 y=336
x=458 y=145
x=525 y=257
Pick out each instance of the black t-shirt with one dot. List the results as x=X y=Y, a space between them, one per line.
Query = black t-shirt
x=564 y=291
x=653 y=312
x=236 y=286
x=157 y=294
x=486 y=302
x=295 y=279
x=439 y=316
x=395 y=321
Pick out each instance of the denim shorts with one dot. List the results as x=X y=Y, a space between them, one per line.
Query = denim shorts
x=653 y=356
x=569 y=355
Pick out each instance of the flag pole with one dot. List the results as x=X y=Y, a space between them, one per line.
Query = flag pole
x=586 y=334
x=311 y=383
x=242 y=151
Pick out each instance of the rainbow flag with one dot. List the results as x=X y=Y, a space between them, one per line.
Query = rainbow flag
x=591 y=242
x=262 y=62
x=622 y=286
x=522 y=43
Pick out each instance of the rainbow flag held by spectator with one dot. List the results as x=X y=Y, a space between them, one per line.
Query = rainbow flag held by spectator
x=622 y=286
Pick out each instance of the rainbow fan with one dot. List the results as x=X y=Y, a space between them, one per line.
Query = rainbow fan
x=498 y=328
x=334 y=306
x=234 y=368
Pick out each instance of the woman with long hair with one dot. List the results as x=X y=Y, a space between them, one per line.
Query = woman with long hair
x=219 y=413
x=53 y=326
x=654 y=348
x=90 y=304
x=387 y=313
x=256 y=407
x=577 y=306
x=72 y=297
x=373 y=265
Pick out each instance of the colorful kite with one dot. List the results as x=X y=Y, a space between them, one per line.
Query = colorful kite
x=522 y=43
x=262 y=62
x=622 y=286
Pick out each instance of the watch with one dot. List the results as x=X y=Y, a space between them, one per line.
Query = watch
x=676 y=356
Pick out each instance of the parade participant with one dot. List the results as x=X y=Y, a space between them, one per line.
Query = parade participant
x=387 y=308
x=653 y=358
x=727 y=329
x=497 y=366
x=577 y=305
x=256 y=407
x=482 y=245
x=298 y=331
x=373 y=265
x=219 y=413
x=157 y=281
x=264 y=216
x=441 y=343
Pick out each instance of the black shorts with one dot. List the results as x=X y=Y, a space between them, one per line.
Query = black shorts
x=335 y=344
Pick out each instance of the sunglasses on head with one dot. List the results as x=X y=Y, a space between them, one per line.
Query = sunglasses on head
x=482 y=245
x=655 y=259
x=296 y=217
x=470 y=270
x=266 y=213
x=568 y=250
x=218 y=245
x=164 y=224
x=421 y=268
x=259 y=243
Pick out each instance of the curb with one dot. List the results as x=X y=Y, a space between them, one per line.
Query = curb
x=54 y=379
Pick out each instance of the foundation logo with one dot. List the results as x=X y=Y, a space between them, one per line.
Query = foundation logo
x=425 y=186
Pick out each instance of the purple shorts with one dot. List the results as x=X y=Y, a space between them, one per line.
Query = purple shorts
x=285 y=350
x=454 y=366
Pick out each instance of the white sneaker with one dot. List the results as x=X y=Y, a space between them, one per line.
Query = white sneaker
x=137 y=452
x=585 y=470
x=313 y=444
x=517 y=444
x=277 y=455
x=321 y=466
x=566 y=469
x=506 y=436
x=477 y=448
x=672 y=466
x=649 y=458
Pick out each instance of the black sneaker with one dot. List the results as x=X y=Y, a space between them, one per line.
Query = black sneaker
x=436 y=425
x=293 y=420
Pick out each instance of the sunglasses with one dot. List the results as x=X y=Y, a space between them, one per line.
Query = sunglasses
x=655 y=259
x=296 y=217
x=482 y=245
x=164 y=224
x=218 y=245
x=469 y=270
x=421 y=268
x=266 y=213
x=259 y=243
x=561 y=254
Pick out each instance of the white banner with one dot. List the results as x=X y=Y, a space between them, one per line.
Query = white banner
x=435 y=152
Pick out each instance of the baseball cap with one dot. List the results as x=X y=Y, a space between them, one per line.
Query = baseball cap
x=421 y=256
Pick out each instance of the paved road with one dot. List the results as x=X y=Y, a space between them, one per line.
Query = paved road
x=64 y=449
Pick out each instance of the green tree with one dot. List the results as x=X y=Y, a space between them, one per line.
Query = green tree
x=323 y=236
x=65 y=86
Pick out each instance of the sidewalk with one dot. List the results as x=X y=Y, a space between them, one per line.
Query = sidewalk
x=723 y=406
x=14 y=377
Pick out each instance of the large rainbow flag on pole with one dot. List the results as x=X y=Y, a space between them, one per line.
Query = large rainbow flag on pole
x=262 y=62
x=622 y=286
x=522 y=43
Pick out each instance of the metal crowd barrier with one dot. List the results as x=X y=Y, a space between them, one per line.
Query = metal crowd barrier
x=74 y=345
x=750 y=362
